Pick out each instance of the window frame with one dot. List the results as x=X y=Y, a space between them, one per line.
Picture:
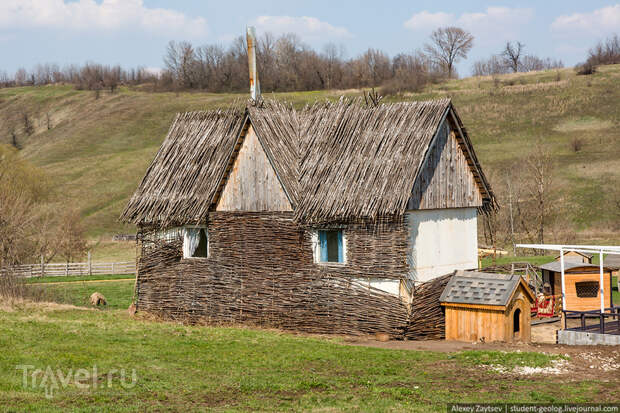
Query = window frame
x=185 y=240
x=316 y=247
x=589 y=286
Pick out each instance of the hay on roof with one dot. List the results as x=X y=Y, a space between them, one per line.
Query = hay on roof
x=361 y=162
x=337 y=162
x=183 y=177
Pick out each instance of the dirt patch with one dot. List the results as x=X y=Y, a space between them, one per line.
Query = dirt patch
x=577 y=362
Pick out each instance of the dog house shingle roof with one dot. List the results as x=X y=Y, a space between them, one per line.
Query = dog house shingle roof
x=472 y=287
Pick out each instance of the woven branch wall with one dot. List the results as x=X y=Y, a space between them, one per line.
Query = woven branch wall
x=260 y=271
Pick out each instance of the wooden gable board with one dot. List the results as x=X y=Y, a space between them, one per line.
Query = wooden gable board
x=446 y=178
x=251 y=183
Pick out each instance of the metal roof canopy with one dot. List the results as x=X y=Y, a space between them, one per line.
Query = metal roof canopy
x=592 y=249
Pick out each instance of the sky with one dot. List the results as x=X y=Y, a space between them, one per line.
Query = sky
x=135 y=32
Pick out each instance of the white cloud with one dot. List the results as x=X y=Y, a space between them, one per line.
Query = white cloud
x=87 y=15
x=308 y=28
x=429 y=21
x=599 y=22
x=494 y=25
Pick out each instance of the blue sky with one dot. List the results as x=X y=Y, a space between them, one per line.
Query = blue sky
x=135 y=32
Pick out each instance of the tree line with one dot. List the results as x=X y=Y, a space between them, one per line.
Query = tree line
x=512 y=59
x=90 y=76
x=285 y=63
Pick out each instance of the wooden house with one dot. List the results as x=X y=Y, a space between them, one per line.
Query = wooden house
x=319 y=219
x=487 y=307
x=581 y=283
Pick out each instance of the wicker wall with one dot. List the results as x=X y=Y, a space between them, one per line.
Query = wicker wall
x=260 y=271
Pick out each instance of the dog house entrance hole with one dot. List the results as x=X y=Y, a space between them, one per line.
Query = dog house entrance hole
x=516 y=322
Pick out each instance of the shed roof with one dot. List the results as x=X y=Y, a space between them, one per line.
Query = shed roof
x=556 y=266
x=583 y=254
x=479 y=288
x=336 y=160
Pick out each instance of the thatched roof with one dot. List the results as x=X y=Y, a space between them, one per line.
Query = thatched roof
x=336 y=161
x=362 y=162
x=183 y=177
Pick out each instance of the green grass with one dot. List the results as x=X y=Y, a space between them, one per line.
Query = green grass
x=503 y=260
x=505 y=359
x=118 y=294
x=98 y=149
x=235 y=369
x=113 y=251
x=70 y=278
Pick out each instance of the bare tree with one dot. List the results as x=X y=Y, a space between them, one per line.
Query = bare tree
x=28 y=126
x=71 y=243
x=512 y=55
x=449 y=45
x=21 y=77
x=488 y=67
x=22 y=189
x=539 y=168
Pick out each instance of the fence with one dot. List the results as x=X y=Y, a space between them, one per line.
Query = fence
x=74 y=268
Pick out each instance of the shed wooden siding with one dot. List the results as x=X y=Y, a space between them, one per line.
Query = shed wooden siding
x=582 y=303
x=470 y=322
x=252 y=183
x=446 y=179
x=573 y=256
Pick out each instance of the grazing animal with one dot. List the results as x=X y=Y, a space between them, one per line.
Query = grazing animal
x=382 y=336
x=132 y=309
x=98 y=299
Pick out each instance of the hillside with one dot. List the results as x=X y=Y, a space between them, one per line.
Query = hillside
x=95 y=151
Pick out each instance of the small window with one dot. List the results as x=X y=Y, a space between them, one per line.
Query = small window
x=331 y=246
x=587 y=289
x=196 y=243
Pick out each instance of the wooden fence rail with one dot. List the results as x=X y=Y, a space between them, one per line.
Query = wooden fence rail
x=73 y=268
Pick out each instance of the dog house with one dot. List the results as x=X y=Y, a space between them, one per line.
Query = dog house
x=581 y=283
x=487 y=307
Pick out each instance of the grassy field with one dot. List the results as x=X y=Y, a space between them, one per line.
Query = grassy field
x=118 y=293
x=96 y=150
x=181 y=367
x=72 y=278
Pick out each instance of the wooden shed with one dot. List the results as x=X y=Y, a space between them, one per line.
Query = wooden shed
x=487 y=307
x=576 y=256
x=581 y=283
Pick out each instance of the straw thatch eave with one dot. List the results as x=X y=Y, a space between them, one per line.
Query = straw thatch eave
x=182 y=179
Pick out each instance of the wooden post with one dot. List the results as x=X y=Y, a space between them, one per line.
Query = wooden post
x=563 y=284
x=67 y=268
x=42 y=265
x=602 y=283
x=90 y=264
x=112 y=268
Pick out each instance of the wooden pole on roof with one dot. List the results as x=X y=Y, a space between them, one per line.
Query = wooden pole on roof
x=254 y=83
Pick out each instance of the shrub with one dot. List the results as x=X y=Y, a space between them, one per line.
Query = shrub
x=586 y=68
x=576 y=144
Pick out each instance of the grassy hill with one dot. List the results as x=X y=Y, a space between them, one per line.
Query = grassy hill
x=95 y=151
